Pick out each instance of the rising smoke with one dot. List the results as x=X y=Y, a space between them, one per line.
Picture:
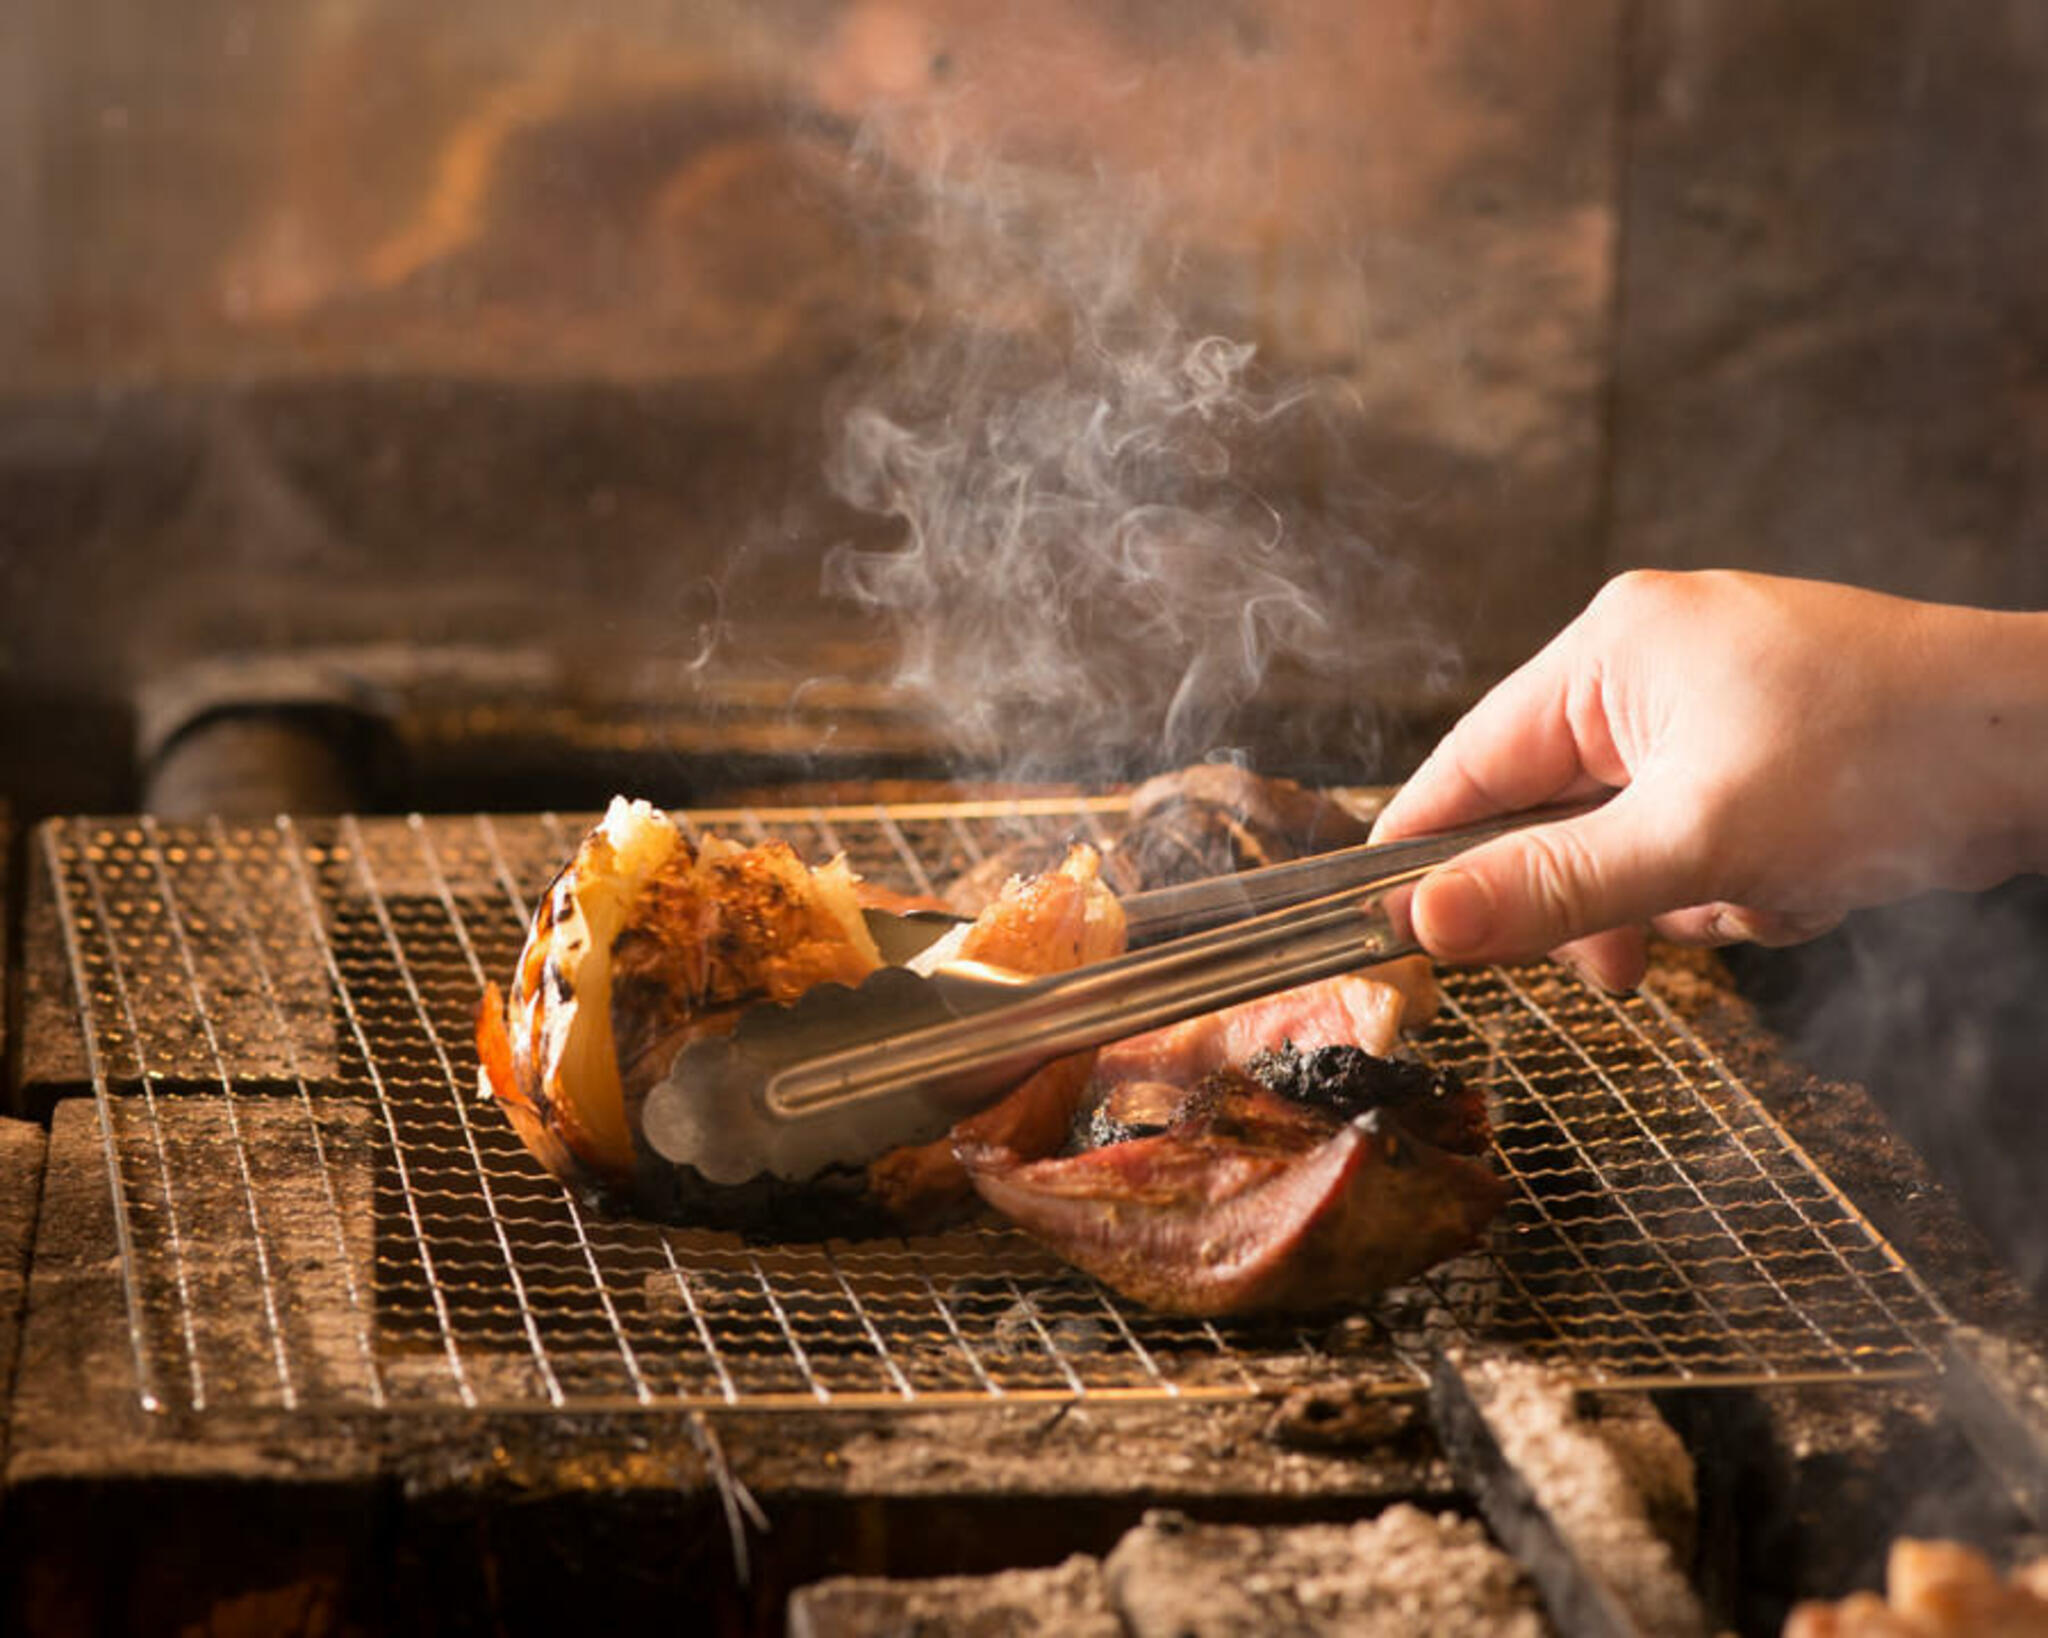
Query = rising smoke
x=1934 y=1005
x=1125 y=540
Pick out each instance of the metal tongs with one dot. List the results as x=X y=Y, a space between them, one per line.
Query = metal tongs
x=844 y=1074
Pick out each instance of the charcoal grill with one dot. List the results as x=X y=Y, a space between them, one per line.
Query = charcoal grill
x=316 y=1212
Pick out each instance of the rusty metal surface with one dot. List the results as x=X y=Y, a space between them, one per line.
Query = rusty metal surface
x=317 y=1213
x=492 y=325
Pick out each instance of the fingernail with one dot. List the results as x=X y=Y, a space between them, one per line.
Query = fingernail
x=1459 y=909
x=1591 y=976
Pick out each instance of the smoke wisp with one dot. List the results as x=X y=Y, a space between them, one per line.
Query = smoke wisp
x=1117 y=525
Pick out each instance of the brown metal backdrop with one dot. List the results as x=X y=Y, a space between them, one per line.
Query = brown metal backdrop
x=318 y=1213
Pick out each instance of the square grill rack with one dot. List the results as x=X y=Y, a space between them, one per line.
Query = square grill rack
x=318 y=1214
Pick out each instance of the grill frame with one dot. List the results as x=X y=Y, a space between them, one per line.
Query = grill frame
x=135 y=909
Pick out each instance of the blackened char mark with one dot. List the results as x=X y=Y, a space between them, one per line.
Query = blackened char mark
x=1346 y=1081
x=1338 y=1083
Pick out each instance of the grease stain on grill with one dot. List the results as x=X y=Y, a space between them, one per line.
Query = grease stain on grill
x=307 y=991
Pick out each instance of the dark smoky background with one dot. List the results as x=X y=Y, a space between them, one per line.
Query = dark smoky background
x=690 y=394
x=526 y=402
x=1940 y=1007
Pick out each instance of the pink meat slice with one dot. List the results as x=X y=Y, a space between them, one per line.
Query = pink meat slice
x=1253 y=1203
x=1351 y=1010
x=1248 y=1200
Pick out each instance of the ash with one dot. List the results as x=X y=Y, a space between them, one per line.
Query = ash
x=1394 y=1576
x=1402 y=1573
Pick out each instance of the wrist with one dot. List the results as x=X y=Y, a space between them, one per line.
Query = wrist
x=1997 y=671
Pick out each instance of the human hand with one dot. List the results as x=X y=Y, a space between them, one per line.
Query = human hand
x=1784 y=751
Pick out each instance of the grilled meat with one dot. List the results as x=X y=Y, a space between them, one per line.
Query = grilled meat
x=640 y=944
x=1140 y=1083
x=1217 y=817
x=1935 y=1589
x=1367 y=1010
x=1249 y=1199
x=1268 y=1156
x=1037 y=924
x=1271 y=1155
x=1202 y=821
x=644 y=942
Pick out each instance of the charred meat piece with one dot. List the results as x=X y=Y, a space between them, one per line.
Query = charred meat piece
x=641 y=943
x=1050 y=923
x=1935 y=1589
x=1345 y=1082
x=1141 y=1082
x=1217 y=817
x=1202 y=821
x=1251 y=1201
x=975 y=889
x=1260 y=1158
x=1128 y=1109
x=1368 y=1010
x=646 y=941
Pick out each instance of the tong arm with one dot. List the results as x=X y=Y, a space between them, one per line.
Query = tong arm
x=842 y=1075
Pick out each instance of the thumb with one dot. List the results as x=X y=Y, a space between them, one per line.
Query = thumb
x=1527 y=893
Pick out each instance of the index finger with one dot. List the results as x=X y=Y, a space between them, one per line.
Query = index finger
x=1524 y=744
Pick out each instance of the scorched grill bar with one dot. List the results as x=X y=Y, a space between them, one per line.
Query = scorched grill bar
x=316 y=1213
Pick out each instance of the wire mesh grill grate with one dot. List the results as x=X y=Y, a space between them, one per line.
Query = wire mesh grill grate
x=317 y=1213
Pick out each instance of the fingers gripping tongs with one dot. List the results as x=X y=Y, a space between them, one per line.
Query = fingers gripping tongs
x=844 y=1074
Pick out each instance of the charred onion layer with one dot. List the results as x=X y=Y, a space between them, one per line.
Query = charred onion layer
x=645 y=942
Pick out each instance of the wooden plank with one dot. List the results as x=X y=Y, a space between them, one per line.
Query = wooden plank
x=248 y=1311
x=21 y=1180
x=51 y=1060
